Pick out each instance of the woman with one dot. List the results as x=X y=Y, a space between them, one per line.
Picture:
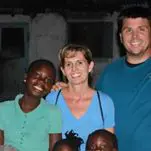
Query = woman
x=83 y=108
x=28 y=123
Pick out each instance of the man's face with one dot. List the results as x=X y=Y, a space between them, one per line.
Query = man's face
x=136 y=36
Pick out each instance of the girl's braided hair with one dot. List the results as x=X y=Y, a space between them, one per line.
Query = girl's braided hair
x=72 y=140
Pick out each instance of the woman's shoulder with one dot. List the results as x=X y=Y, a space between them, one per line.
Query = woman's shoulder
x=106 y=101
x=52 y=96
x=104 y=96
x=53 y=93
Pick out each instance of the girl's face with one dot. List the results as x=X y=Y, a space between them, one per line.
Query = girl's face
x=76 y=68
x=39 y=81
x=98 y=143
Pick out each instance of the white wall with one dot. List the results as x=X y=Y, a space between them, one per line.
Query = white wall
x=12 y=71
x=47 y=36
x=48 y=33
x=101 y=63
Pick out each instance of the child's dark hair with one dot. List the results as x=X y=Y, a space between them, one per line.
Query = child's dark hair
x=72 y=140
x=40 y=62
x=103 y=133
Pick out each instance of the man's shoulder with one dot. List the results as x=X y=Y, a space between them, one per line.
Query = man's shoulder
x=116 y=62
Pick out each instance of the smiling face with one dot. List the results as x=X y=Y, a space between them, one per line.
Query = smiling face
x=100 y=143
x=39 y=81
x=76 y=68
x=136 y=36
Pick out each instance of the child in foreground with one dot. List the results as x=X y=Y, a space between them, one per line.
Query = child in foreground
x=71 y=143
x=101 y=140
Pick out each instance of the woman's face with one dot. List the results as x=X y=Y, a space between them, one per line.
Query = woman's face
x=76 y=68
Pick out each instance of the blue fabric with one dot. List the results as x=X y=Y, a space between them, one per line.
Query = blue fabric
x=90 y=121
x=130 y=89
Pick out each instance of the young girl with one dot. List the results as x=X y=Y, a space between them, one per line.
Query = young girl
x=71 y=143
x=101 y=140
x=28 y=123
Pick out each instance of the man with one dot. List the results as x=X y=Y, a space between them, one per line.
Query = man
x=128 y=81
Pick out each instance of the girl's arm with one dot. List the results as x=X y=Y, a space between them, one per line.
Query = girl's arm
x=1 y=137
x=53 y=138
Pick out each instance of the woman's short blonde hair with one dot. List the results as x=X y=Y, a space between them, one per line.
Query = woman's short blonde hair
x=64 y=52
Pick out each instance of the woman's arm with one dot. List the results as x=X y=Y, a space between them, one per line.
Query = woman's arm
x=59 y=85
x=1 y=137
x=53 y=138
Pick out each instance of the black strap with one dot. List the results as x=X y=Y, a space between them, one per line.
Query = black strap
x=57 y=97
x=99 y=100
x=100 y=105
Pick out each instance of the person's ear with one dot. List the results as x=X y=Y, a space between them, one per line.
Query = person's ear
x=62 y=70
x=25 y=77
x=121 y=38
x=91 y=66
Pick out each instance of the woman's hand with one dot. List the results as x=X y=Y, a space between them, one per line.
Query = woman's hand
x=59 y=85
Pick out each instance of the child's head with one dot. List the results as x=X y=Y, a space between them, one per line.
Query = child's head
x=39 y=78
x=41 y=62
x=71 y=143
x=101 y=140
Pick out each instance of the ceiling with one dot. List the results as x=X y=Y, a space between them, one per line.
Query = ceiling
x=28 y=6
